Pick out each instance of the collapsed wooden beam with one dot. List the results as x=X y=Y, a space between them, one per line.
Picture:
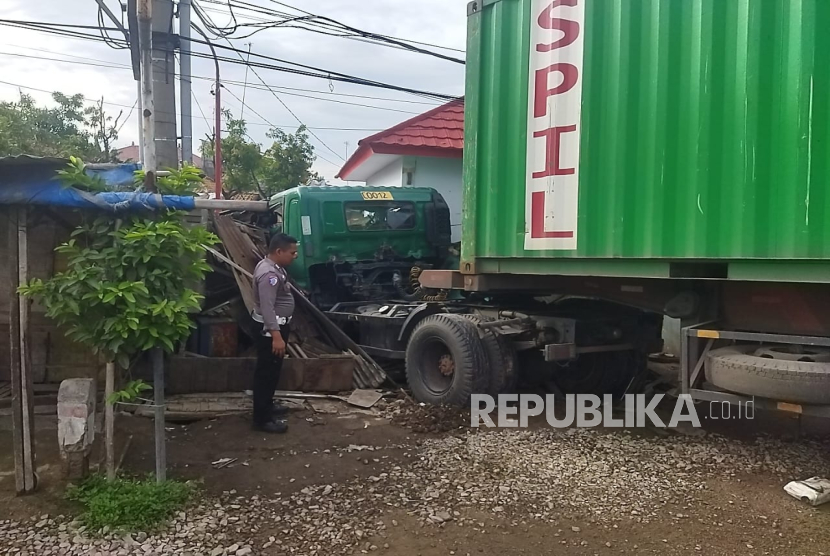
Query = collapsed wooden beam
x=23 y=425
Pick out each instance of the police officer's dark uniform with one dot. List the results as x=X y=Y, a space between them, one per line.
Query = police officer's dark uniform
x=274 y=308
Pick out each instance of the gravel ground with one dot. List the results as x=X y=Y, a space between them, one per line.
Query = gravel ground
x=607 y=479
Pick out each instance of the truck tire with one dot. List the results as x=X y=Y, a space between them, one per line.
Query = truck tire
x=502 y=361
x=737 y=369
x=445 y=361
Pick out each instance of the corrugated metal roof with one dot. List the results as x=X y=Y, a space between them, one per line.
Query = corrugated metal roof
x=27 y=160
x=439 y=132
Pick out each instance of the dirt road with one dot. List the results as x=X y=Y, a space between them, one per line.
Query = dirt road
x=352 y=482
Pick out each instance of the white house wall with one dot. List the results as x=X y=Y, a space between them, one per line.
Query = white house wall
x=445 y=175
x=391 y=175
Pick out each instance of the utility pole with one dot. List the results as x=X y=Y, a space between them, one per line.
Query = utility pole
x=148 y=124
x=186 y=87
x=217 y=137
x=164 y=85
x=146 y=21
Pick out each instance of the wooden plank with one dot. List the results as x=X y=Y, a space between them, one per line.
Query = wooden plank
x=109 y=421
x=14 y=352
x=26 y=371
x=244 y=260
x=245 y=255
x=22 y=409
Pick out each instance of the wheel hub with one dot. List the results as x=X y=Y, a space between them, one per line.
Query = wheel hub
x=446 y=365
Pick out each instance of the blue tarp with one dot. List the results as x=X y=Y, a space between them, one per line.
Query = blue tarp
x=120 y=176
x=51 y=192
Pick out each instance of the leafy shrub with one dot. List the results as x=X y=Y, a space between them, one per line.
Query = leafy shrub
x=129 y=504
x=186 y=181
x=126 y=286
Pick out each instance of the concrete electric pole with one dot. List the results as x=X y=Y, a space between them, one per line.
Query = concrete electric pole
x=164 y=85
x=185 y=90
x=148 y=126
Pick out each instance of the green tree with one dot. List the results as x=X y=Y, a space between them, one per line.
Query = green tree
x=126 y=290
x=288 y=161
x=63 y=130
x=126 y=287
x=104 y=129
x=241 y=157
x=245 y=168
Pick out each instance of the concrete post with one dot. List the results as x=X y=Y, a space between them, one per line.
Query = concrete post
x=164 y=86
x=76 y=425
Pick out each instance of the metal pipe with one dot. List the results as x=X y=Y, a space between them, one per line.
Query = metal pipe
x=140 y=123
x=217 y=163
x=223 y=204
x=217 y=136
x=109 y=421
x=158 y=402
x=186 y=84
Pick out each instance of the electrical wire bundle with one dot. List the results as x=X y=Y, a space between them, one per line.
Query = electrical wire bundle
x=300 y=19
x=307 y=21
x=76 y=32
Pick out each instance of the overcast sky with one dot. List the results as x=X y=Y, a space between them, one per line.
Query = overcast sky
x=441 y=22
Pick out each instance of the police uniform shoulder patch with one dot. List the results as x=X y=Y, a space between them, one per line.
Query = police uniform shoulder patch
x=273 y=280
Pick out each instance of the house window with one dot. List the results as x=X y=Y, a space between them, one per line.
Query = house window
x=377 y=217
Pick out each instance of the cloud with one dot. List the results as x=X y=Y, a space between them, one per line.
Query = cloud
x=433 y=21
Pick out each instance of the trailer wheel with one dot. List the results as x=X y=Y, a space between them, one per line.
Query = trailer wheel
x=756 y=371
x=445 y=361
x=502 y=361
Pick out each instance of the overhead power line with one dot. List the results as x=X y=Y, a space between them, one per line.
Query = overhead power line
x=265 y=87
x=94 y=64
x=61 y=32
x=118 y=45
x=313 y=71
x=315 y=23
x=280 y=88
x=305 y=70
x=110 y=103
x=247 y=63
x=264 y=119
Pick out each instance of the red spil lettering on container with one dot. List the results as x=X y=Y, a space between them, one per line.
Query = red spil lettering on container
x=555 y=116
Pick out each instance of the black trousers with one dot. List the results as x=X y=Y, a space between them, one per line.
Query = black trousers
x=266 y=376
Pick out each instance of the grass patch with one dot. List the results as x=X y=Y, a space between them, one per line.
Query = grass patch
x=129 y=504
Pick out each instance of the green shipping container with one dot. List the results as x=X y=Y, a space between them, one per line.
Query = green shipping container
x=648 y=138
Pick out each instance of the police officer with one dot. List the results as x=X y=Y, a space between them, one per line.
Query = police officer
x=274 y=308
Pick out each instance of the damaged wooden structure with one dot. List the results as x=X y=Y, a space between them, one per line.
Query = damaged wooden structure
x=319 y=353
x=37 y=214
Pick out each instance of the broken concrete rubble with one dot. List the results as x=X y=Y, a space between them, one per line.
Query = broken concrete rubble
x=76 y=425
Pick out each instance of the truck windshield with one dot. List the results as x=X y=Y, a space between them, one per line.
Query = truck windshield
x=380 y=216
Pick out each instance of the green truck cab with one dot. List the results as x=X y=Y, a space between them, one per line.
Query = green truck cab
x=363 y=243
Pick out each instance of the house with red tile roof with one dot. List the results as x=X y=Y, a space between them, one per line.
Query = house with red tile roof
x=425 y=151
x=130 y=153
